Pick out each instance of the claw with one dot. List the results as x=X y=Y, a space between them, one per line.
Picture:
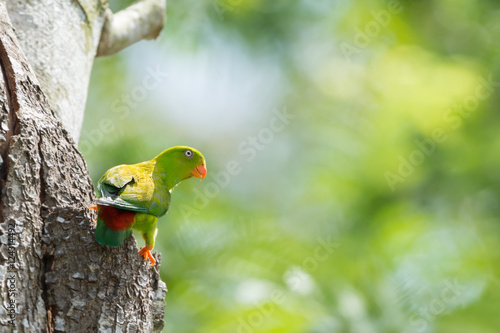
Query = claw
x=146 y=253
x=94 y=208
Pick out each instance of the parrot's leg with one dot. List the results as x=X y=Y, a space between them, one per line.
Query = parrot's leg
x=146 y=225
x=94 y=208
x=149 y=239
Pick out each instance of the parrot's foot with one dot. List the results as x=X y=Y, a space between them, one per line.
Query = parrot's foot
x=94 y=208
x=146 y=253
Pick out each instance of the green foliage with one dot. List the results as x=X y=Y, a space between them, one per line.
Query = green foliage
x=373 y=208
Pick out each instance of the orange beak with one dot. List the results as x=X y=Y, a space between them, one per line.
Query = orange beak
x=200 y=171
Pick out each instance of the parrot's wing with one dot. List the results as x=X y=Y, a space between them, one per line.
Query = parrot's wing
x=121 y=188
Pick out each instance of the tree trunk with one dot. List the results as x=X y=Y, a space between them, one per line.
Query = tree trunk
x=61 y=38
x=55 y=276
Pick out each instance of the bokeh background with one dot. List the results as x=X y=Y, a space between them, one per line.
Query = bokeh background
x=353 y=150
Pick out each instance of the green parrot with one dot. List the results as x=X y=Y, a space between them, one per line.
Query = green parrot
x=134 y=196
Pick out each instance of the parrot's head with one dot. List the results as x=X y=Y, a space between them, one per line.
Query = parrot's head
x=183 y=162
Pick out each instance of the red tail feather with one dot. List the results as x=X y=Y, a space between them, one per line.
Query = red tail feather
x=116 y=219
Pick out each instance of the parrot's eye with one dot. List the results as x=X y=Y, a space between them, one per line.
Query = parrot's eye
x=188 y=153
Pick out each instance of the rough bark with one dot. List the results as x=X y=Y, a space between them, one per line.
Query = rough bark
x=54 y=276
x=60 y=39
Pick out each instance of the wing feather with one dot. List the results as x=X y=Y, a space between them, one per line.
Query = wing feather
x=127 y=187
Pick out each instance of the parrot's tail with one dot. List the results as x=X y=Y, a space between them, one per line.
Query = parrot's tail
x=113 y=225
x=107 y=236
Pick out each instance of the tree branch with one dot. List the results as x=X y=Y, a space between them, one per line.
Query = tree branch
x=142 y=20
